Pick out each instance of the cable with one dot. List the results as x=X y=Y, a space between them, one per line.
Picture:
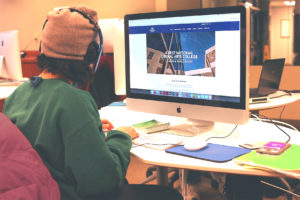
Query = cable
x=277 y=187
x=276 y=121
x=275 y=124
x=291 y=91
x=255 y=116
x=217 y=137
x=157 y=144
x=180 y=143
x=282 y=95
x=286 y=124
x=280 y=116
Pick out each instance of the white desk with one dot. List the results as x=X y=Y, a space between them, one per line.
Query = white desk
x=276 y=100
x=5 y=91
x=253 y=131
x=7 y=88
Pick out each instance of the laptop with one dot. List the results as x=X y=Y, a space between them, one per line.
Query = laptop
x=269 y=78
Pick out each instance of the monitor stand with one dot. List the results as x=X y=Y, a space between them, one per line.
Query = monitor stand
x=191 y=127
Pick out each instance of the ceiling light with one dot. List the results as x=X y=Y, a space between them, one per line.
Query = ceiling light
x=289 y=3
x=248 y=4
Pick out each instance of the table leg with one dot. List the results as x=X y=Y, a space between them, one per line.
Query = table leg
x=162 y=179
x=183 y=182
x=162 y=176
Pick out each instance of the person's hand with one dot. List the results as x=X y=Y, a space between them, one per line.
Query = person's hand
x=129 y=130
x=106 y=125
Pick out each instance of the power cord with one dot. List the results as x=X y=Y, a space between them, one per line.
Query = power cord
x=180 y=143
x=282 y=95
x=280 y=116
x=156 y=144
x=275 y=123
x=280 y=188
x=218 y=137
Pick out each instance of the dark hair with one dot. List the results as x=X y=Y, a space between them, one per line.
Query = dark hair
x=77 y=71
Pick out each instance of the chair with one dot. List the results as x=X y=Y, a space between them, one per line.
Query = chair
x=23 y=174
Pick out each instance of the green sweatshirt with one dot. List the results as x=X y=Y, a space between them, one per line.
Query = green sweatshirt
x=63 y=125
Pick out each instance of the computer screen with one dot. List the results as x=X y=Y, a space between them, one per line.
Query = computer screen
x=188 y=63
x=10 y=60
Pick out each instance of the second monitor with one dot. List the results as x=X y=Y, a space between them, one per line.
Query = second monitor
x=10 y=60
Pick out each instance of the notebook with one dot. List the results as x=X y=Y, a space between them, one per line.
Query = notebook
x=269 y=78
x=286 y=164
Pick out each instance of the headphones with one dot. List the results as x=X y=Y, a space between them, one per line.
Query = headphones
x=90 y=55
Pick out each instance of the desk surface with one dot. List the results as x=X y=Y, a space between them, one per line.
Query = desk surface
x=276 y=100
x=253 y=131
x=8 y=87
x=5 y=91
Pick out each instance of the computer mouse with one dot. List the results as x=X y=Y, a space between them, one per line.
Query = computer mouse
x=194 y=144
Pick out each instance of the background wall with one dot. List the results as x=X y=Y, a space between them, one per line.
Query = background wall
x=28 y=16
x=281 y=46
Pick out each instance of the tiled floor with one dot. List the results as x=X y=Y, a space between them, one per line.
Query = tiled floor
x=203 y=190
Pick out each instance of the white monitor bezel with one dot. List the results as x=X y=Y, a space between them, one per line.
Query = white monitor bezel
x=205 y=110
x=9 y=48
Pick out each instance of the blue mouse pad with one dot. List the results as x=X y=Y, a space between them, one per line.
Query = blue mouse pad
x=212 y=152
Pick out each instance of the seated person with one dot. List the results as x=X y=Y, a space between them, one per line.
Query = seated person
x=62 y=121
x=23 y=174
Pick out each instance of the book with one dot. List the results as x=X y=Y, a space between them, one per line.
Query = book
x=151 y=126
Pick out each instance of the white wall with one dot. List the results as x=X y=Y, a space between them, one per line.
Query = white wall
x=281 y=47
x=28 y=16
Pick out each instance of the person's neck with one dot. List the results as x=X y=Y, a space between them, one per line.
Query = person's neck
x=47 y=75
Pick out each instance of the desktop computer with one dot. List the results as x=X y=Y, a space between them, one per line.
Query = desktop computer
x=10 y=58
x=189 y=63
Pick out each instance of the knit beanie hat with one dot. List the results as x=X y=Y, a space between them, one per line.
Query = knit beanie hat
x=67 y=34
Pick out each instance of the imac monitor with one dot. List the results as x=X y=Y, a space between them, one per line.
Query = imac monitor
x=10 y=60
x=189 y=63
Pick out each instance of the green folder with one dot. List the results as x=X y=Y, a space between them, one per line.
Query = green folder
x=288 y=160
